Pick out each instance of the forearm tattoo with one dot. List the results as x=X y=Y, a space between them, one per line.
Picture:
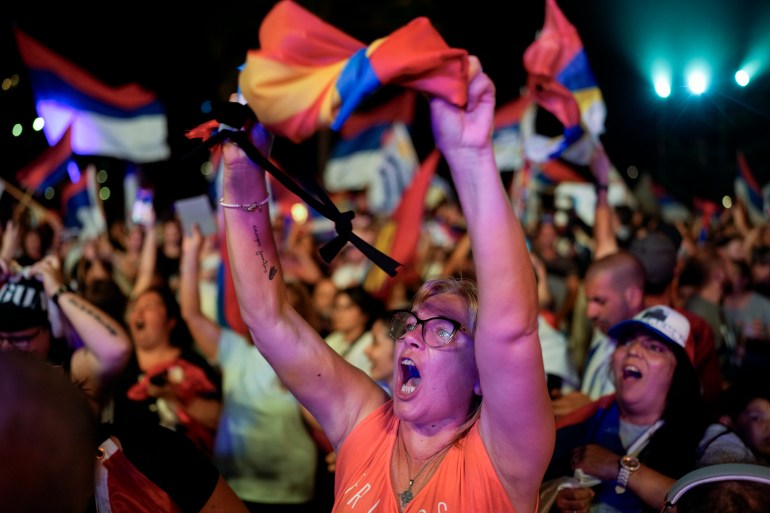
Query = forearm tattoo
x=261 y=254
x=95 y=315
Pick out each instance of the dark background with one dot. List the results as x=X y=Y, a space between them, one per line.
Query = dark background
x=190 y=56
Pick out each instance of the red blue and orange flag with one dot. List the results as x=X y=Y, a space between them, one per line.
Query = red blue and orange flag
x=561 y=81
x=753 y=195
x=308 y=74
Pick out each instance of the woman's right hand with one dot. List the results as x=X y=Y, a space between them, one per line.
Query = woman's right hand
x=235 y=159
x=192 y=242
x=573 y=500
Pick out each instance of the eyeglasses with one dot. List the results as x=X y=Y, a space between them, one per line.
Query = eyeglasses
x=436 y=331
x=21 y=341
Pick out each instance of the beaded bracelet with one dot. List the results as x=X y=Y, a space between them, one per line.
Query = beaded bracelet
x=250 y=207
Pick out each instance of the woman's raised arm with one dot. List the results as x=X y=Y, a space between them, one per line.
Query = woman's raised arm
x=516 y=418
x=336 y=393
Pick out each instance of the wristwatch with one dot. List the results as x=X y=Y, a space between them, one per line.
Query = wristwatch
x=61 y=290
x=628 y=464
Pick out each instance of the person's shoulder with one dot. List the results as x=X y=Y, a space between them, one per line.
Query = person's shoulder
x=192 y=356
x=698 y=323
x=588 y=411
x=721 y=445
x=759 y=300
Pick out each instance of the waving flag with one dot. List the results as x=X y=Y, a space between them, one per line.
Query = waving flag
x=80 y=204
x=49 y=168
x=381 y=160
x=400 y=234
x=228 y=311
x=126 y=122
x=747 y=188
x=561 y=81
x=307 y=74
x=375 y=153
x=507 y=138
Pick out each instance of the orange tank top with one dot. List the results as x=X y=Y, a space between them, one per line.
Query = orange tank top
x=465 y=480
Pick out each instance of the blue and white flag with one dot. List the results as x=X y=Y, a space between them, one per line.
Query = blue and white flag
x=380 y=160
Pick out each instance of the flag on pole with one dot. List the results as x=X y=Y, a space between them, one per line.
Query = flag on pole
x=82 y=212
x=127 y=122
x=49 y=168
x=561 y=81
x=130 y=188
x=507 y=138
x=754 y=197
x=308 y=74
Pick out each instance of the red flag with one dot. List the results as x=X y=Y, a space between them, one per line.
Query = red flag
x=49 y=168
x=400 y=234
x=561 y=81
x=747 y=175
x=555 y=47
x=230 y=312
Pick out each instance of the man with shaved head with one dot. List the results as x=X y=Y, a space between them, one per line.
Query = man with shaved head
x=614 y=290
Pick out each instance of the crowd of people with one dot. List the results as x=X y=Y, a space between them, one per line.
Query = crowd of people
x=512 y=368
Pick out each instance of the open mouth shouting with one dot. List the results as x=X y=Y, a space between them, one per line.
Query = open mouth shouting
x=631 y=372
x=410 y=376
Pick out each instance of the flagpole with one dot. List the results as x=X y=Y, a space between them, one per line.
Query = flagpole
x=26 y=201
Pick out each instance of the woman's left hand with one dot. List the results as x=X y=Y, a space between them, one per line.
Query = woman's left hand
x=573 y=500
x=456 y=129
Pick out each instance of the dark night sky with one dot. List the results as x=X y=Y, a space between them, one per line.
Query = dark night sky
x=189 y=57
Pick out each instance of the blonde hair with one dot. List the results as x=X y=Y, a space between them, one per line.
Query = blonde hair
x=462 y=287
x=468 y=290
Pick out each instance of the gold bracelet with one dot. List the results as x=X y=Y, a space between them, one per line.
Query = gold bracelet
x=251 y=207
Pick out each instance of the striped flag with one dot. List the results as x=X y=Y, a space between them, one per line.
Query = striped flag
x=375 y=153
x=228 y=313
x=80 y=204
x=49 y=168
x=381 y=160
x=561 y=81
x=308 y=74
x=507 y=138
x=401 y=232
x=126 y=122
x=754 y=196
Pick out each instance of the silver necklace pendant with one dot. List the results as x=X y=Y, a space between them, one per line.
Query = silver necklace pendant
x=406 y=496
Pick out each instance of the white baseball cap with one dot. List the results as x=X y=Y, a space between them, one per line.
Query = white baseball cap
x=661 y=321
